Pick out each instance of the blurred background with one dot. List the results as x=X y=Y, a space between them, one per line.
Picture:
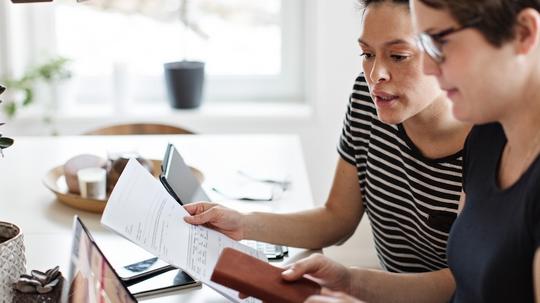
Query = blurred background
x=272 y=66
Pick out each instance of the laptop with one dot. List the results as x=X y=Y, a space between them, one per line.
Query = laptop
x=92 y=279
x=183 y=186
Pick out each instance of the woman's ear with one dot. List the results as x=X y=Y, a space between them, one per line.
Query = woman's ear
x=527 y=31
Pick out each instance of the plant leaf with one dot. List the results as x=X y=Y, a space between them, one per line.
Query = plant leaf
x=5 y=142
x=28 y=96
x=10 y=109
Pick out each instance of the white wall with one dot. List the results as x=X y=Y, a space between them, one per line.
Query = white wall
x=338 y=63
x=332 y=64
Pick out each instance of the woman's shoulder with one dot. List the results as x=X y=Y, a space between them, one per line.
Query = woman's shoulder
x=489 y=132
x=361 y=97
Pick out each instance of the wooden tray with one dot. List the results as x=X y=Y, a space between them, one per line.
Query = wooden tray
x=55 y=181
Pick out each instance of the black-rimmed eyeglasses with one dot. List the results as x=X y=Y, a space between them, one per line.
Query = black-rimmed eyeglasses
x=432 y=43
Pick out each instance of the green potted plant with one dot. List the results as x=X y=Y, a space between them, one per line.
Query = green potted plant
x=22 y=89
x=12 y=259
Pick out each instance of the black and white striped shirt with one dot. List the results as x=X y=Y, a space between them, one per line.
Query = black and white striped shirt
x=411 y=200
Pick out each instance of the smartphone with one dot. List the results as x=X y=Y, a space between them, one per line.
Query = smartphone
x=178 y=179
x=143 y=269
x=164 y=283
x=182 y=185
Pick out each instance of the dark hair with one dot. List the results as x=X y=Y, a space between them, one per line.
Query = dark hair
x=496 y=18
x=365 y=3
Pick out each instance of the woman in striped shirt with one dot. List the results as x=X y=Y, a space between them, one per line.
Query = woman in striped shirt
x=400 y=161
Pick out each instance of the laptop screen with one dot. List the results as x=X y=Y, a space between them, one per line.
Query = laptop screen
x=91 y=277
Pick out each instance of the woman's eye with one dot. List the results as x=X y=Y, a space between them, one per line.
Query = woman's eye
x=398 y=58
x=440 y=43
x=367 y=56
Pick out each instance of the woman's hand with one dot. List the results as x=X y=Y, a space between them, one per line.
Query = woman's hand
x=328 y=296
x=217 y=217
x=321 y=269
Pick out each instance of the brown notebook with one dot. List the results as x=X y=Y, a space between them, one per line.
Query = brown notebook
x=259 y=279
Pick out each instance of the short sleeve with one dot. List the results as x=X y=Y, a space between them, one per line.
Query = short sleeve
x=345 y=147
x=360 y=111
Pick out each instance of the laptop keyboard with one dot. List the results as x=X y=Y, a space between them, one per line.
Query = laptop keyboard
x=272 y=251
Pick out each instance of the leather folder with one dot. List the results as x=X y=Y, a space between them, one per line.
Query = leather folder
x=256 y=278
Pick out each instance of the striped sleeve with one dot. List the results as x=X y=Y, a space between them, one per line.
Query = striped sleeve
x=348 y=148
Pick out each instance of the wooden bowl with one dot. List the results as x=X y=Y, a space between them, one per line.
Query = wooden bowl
x=55 y=181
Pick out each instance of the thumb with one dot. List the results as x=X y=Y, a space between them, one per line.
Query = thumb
x=198 y=207
x=201 y=218
x=300 y=268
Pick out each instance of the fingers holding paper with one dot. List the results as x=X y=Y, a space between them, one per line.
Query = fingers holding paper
x=217 y=217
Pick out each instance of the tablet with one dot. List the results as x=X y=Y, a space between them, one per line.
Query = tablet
x=178 y=179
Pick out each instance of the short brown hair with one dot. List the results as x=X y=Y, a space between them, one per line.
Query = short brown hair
x=496 y=17
x=365 y=3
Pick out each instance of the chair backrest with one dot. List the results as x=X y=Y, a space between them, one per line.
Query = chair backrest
x=139 y=129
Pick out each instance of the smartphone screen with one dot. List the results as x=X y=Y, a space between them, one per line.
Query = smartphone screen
x=164 y=283
x=142 y=268
x=180 y=179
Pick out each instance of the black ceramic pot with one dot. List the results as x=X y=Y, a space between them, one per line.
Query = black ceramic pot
x=184 y=80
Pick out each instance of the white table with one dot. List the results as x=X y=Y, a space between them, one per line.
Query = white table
x=46 y=223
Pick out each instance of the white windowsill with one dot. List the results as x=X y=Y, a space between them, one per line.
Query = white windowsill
x=162 y=110
x=211 y=116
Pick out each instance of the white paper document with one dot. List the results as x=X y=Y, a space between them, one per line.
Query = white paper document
x=142 y=211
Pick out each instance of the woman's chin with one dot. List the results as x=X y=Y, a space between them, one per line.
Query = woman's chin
x=462 y=115
x=390 y=119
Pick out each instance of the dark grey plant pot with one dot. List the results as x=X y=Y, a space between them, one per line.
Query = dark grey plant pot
x=185 y=81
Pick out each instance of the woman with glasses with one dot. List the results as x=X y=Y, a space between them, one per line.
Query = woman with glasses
x=494 y=247
x=486 y=55
x=400 y=160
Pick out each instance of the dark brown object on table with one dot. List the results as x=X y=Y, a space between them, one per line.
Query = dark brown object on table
x=75 y=164
x=139 y=129
x=259 y=279
x=116 y=166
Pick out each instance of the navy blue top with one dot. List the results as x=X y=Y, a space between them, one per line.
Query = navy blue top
x=493 y=241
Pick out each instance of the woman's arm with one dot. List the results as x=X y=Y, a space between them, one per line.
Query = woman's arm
x=316 y=228
x=374 y=285
x=461 y=204
x=378 y=286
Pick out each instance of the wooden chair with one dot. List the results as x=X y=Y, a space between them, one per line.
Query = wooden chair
x=139 y=129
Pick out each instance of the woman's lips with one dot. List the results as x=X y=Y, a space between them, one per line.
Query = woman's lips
x=383 y=100
x=451 y=93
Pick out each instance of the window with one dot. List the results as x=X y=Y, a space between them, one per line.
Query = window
x=252 y=48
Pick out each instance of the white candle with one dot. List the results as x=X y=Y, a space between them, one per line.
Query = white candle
x=92 y=182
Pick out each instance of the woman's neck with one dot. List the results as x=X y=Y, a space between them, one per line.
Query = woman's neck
x=435 y=131
x=521 y=126
x=522 y=130
x=522 y=121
